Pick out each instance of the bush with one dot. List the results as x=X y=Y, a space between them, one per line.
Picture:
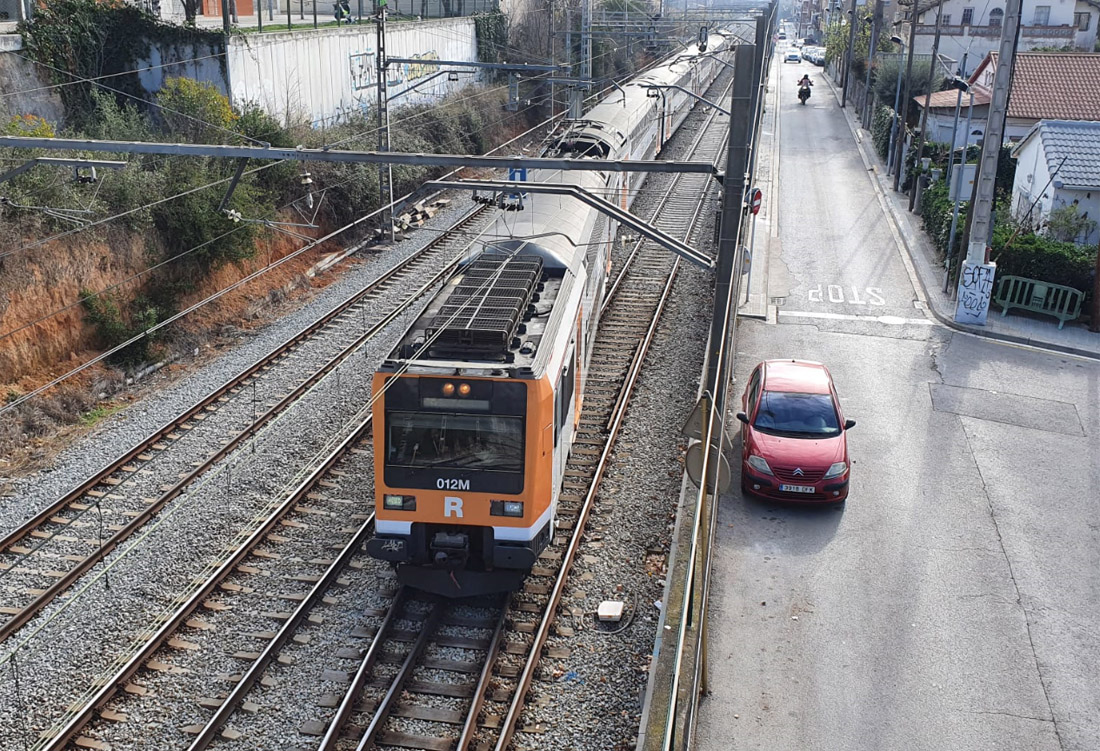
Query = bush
x=1043 y=258
x=113 y=327
x=1068 y=224
x=880 y=130
x=936 y=212
x=196 y=110
x=886 y=81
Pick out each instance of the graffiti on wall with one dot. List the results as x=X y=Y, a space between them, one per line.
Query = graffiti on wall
x=363 y=67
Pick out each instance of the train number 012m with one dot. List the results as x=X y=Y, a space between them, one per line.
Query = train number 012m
x=444 y=483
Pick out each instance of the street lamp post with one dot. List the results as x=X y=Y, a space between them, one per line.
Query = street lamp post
x=897 y=103
x=876 y=20
x=851 y=49
x=962 y=86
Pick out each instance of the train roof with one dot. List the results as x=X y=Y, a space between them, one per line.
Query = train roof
x=495 y=314
x=619 y=113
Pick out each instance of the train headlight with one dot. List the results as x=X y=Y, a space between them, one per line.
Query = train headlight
x=448 y=389
x=463 y=389
x=399 y=502
x=506 y=508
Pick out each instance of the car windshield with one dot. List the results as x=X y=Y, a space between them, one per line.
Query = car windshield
x=798 y=415
x=455 y=441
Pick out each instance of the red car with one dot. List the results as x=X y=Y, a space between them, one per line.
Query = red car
x=793 y=442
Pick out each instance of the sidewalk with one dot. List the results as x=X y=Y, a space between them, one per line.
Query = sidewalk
x=763 y=234
x=927 y=272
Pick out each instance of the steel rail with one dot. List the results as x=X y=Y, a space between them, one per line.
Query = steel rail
x=17 y=621
x=56 y=739
x=469 y=729
x=236 y=697
x=382 y=711
x=696 y=585
x=43 y=516
x=508 y=726
x=519 y=699
x=355 y=690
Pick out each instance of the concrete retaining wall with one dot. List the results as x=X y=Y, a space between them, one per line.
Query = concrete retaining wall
x=324 y=75
x=25 y=85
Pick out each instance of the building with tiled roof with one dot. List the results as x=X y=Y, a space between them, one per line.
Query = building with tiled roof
x=1048 y=86
x=1058 y=164
x=975 y=29
x=1045 y=86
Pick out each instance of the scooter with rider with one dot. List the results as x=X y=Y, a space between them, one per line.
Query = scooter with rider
x=804 y=88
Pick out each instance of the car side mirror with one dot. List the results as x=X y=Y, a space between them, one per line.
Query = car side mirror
x=849 y=424
x=743 y=417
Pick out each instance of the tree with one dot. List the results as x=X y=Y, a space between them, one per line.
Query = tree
x=191 y=10
x=1067 y=224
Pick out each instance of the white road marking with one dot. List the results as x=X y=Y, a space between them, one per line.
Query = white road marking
x=890 y=320
x=836 y=295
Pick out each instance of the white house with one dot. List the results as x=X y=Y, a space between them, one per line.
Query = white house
x=1058 y=164
x=1045 y=86
x=974 y=29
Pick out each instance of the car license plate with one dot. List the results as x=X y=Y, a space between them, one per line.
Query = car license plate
x=797 y=488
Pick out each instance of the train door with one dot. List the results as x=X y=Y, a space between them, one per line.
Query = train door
x=564 y=425
x=659 y=105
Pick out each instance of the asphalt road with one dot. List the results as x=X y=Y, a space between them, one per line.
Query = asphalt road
x=953 y=604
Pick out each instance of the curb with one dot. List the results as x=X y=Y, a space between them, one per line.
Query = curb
x=910 y=255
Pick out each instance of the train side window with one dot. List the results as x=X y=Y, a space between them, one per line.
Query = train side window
x=564 y=395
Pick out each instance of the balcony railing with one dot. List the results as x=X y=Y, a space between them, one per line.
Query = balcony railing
x=1040 y=32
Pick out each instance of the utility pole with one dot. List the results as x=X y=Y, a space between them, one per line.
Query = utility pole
x=899 y=142
x=733 y=211
x=851 y=49
x=876 y=23
x=586 y=51
x=225 y=16
x=1094 y=319
x=385 y=171
x=927 y=102
x=976 y=279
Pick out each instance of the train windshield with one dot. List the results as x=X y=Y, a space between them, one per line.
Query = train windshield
x=424 y=440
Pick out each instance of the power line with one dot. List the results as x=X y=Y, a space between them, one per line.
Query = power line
x=145 y=69
x=80 y=79
x=98 y=222
x=189 y=251
x=309 y=245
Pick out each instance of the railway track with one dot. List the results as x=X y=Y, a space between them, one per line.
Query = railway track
x=398 y=695
x=493 y=712
x=247 y=557
x=43 y=557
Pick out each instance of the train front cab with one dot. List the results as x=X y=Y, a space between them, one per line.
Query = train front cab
x=464 y=480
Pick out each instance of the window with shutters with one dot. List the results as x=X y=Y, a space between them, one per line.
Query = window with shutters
x=1082 y=21
x=996 y=17
x=1042 y=15
x=968 y=16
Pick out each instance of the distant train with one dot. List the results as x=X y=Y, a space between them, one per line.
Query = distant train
x=481 y=397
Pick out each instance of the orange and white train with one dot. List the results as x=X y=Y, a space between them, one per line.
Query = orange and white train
x=481 y=398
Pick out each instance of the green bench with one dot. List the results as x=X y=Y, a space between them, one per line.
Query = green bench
x=1064 y=303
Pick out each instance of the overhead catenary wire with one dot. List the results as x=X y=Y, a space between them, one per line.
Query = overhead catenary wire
x=81 y=79
x=70 y=232
x=217 y=295
x=228 y=466
x=200 y=246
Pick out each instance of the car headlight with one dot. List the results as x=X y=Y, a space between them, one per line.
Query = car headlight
x=759 y=464
x=399 y=502
x=836 y=470
x=506 y=508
